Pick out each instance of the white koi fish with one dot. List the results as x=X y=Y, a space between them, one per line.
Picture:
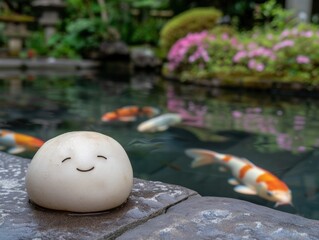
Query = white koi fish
x=249 y=179
x=17 y=142
x=159 y=123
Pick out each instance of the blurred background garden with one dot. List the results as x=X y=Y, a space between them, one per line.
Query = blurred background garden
x=242 y=74
x=191 y=40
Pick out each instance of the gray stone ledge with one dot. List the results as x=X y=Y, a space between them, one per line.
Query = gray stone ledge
x=47 y=63
x=224 y=218
x=154 y=210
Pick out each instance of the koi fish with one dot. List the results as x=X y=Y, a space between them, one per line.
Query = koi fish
x=248 y=178
x=129 y=113
x=17 y=142
x=159 y=123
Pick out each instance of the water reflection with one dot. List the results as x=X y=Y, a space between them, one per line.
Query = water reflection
x=283 y=121
x=277 y=133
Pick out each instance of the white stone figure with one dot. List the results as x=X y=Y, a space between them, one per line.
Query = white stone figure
x=80 y=172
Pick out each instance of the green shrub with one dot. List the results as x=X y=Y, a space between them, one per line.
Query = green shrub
x=147 y=31
x=36 y=42
x=194 y=20
x=223 y=29
x=81 y=36
x=2 y=37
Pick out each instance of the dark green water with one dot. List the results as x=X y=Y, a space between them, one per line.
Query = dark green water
x=276 y=132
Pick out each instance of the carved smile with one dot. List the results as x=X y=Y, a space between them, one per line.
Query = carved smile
x=87 y=170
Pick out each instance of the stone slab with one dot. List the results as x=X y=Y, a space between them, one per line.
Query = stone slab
x=224 y=218
x=12 y=73
x=21 y=220
x=47 y=63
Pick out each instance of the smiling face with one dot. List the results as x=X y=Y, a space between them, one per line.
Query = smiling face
x=80 y=172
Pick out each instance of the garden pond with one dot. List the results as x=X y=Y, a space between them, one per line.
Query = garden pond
x=278 y=132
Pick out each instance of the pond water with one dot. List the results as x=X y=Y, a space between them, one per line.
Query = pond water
x=276 y=132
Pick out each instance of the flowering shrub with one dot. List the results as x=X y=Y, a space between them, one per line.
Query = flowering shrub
x=291 y=54
x=192 y=46
x=192 y=20
x=200 y=54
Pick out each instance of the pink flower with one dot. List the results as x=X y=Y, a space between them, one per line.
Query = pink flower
x=260 y=67
x=199 y=53
x=179 y=50
x=301 y=59
x=234 y=42
x=239 y=55
x=225 y=36
x=252 y=45
x=252 y=64
x=261 y=51
x=301 y=149
x=237 y=114
x=283 y=44
x=285 y=33
x=307 y=34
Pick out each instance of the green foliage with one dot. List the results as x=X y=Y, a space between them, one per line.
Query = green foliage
x=2 y=37
x=271 y=14
x=193 y=20
x=120 y=18
x=15 y=6
x=36 y=41
x=133 y=20
x=223 y=29
x=81 y=35
x=147 y=31
x=152 y=4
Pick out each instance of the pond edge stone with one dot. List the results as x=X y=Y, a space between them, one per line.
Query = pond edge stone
x=154 y=210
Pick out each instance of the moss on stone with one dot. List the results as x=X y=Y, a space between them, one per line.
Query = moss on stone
x=16 y=18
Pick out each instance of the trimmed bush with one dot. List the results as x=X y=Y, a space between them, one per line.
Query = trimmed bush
x=194 y=20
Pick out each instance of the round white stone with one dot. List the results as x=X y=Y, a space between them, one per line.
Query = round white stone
x=80 y=172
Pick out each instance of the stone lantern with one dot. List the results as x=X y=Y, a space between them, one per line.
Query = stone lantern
x=302 y=9
x=49 y=14
x=16 y=31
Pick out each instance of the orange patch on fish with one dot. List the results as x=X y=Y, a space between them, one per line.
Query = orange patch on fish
x=272 y=182
x=148 y=111
x=127 y=111
x=244 y=170
x=227 y=158
x=29 y=141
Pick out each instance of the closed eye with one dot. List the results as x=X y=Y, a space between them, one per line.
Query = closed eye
x=66 y=159
x=100 y=156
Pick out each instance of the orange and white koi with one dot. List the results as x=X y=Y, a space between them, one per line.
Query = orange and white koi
x=248 y=178
x=129 y=113
x=18 y=142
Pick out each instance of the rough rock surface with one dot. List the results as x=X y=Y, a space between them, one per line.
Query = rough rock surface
x=143 y=57
x=223 y=218
x=154 y=210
